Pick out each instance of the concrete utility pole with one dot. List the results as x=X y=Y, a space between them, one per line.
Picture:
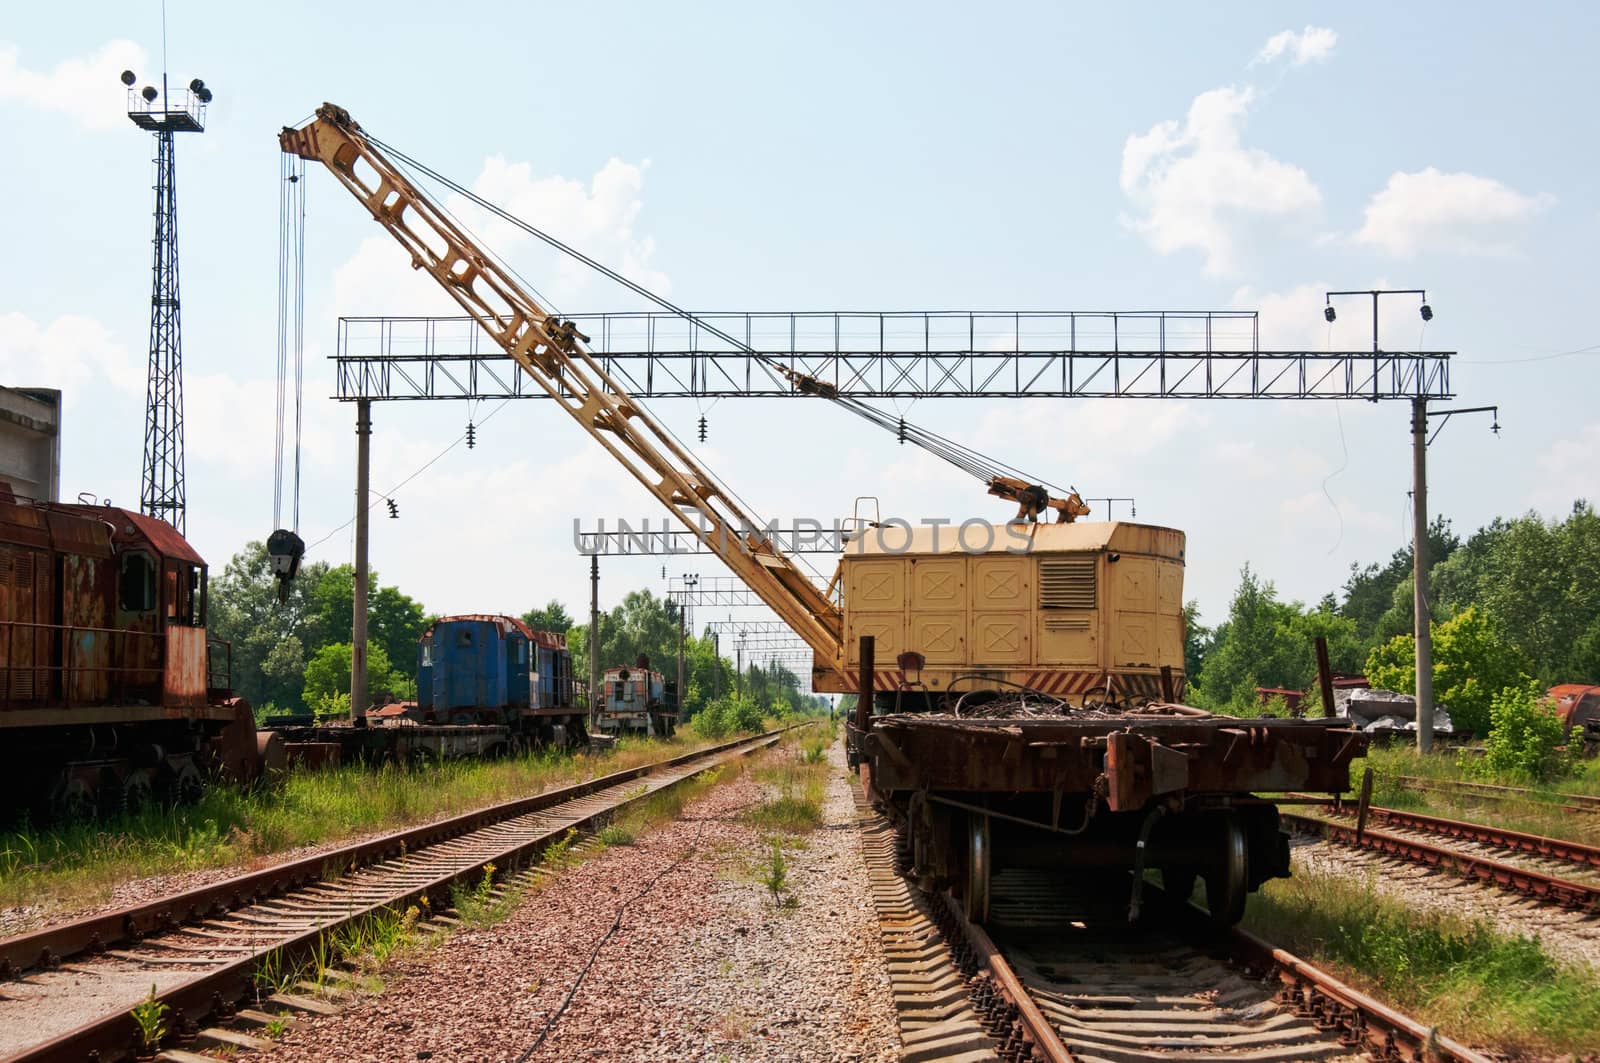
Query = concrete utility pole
x=358 y=624
x=1422 y=634
x=1422 y=625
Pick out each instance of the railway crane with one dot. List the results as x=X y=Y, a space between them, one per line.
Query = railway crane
x=1028 y=713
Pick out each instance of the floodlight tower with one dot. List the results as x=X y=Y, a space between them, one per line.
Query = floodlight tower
x=161 y=492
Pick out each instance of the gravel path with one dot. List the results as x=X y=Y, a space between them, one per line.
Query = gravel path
x=1571 y=936
x=702 y=965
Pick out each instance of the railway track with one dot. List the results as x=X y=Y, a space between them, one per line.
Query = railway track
x=1550 y=870
x=1057 y=974
x=205 y=950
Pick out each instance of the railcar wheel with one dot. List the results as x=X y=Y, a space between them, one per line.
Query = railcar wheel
x=138 y=792
x=1178 y=882
x=72 y=799
x=1227 y=880
x=188 y=786
x=980 y=861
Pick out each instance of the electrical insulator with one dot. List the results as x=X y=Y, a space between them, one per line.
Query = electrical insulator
x=394 y=509
x=702 y=428
x=902 y=432
x=1133 y=509
x=472 y=435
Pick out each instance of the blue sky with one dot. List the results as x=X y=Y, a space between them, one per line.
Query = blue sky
x=908 y=156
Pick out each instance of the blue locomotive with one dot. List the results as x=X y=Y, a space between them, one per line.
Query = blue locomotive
x=496 y=670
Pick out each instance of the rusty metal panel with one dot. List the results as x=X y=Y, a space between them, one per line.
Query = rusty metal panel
x=185 y=685
x=85 y=600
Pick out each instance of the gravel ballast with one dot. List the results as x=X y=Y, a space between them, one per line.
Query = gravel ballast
x=702 y=963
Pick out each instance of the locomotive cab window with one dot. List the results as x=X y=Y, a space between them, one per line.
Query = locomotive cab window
x=136 y=583
x=427 y=655
x=185 y=595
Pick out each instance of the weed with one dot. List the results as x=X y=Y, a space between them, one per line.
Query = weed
x=275 y=1027
x=775 y=875
x=478 y=906
x=557 y=856
x=815 y=753
x=613 y=834
x=149 y=1015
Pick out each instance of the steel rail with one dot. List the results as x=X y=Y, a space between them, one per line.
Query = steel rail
x=1578 y=896
x=1517 y=841
x=1313 y=990
x=217 y=992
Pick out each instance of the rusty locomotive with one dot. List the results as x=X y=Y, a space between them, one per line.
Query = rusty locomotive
x=111 y=695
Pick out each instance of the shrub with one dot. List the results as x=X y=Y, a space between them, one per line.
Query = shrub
x=1525 y=739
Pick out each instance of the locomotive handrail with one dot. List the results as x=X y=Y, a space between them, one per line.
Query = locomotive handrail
x=139 y=675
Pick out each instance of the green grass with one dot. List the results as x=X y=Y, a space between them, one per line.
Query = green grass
x=80 y=863
x=1475 y=983
x=1539 y=814
x=797 y=787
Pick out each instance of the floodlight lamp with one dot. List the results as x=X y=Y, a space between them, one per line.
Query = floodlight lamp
x=1328 y=314
x=196 y=85
x=204 y=94
x=128 y=78
x=149 y=94
x=1427 y=312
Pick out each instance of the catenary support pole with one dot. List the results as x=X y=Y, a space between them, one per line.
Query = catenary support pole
x=1419 y=558
x=682 y=689
x=596 y=695
x=358 y=625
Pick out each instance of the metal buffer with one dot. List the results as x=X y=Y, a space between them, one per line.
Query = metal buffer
x=161 y=489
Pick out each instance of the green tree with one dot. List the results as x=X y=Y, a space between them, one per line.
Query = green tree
x=1526 y=741
x=1472 y=662
x=1371 y=595
x=1197 y=640
x=268 y=640
x=1251 y=648
x=395 y=621
x=1539 y=582
x=327 y=675
x=552 y=617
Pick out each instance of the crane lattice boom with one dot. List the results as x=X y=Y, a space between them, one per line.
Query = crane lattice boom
x=552 y=352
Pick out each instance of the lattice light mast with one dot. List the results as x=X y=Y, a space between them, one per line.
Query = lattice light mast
x=161 y=489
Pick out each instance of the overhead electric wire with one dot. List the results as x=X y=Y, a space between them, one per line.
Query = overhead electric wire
x=965 y=458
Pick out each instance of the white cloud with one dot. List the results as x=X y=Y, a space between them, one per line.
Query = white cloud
x=83 y=87
x=1196 y=182
x=597 y=217
x=1434 y=211
x=1569 y=470
x=71 y=353
x=1312 y=45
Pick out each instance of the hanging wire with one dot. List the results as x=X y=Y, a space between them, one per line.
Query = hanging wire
x=291 y=329
x=971 y=461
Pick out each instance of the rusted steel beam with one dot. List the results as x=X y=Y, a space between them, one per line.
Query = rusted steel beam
x=1324 y=677
x=1578 y=896
x=1046 y=1043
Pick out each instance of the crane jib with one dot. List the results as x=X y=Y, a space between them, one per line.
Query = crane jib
x=550 y=351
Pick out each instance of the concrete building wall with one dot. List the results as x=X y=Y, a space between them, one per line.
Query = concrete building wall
x=30 y=442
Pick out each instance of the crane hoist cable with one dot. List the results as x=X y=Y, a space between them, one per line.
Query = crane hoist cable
x=1001 y=479
x=285 y=548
